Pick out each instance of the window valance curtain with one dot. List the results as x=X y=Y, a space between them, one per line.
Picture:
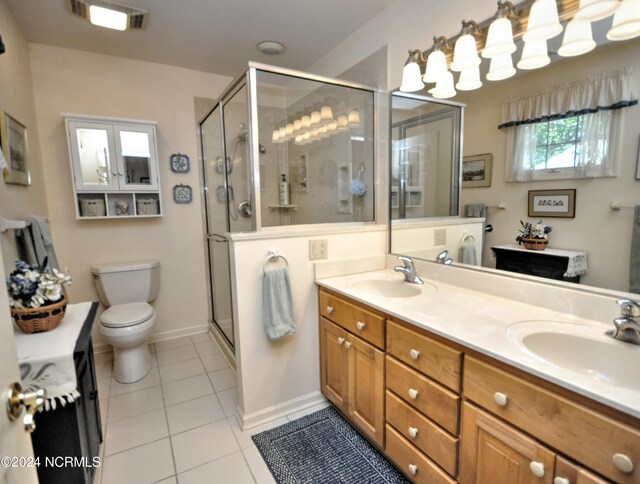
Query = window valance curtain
x=613 y=90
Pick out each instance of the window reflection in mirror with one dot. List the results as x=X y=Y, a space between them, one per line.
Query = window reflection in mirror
x=93 y=148
x=136 y=156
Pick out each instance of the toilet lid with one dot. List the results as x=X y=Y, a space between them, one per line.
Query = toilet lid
x=122 y=315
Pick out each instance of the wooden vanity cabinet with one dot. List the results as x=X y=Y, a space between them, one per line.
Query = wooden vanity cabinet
x=351 y=368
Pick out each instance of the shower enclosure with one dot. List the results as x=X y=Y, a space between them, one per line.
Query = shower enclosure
x=282 y=148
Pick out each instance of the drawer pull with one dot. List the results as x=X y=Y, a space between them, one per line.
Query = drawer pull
x=329 y=309
x=360 y=325
x=500 y=399
x=413 y=469
x=537 y=468
x=413 y=432
x=347 y=345
x=414 y=354
x=413 y=393
x=623 y=463
x=561 y=480
x=340 y=340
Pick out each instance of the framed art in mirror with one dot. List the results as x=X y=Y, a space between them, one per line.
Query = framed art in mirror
x=13 y=138
x=476 y=170
x=552 y=203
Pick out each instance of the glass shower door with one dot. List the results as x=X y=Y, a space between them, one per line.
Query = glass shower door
x=217 y=224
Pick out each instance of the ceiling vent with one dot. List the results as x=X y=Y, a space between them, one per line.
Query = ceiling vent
x=136 y=19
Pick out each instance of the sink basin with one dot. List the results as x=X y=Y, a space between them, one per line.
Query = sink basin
x=390 y=287
x=581 y=349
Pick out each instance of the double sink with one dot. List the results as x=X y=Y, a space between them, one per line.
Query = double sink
x=581 y=349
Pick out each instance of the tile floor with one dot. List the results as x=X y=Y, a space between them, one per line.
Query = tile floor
x=177 y=424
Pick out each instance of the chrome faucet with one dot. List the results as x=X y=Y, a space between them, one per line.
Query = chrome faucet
x=627 y=328
x=409 y=270
x=443 y=258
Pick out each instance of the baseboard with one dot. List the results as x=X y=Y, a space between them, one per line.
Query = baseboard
x=248 y=421
x=160 y=336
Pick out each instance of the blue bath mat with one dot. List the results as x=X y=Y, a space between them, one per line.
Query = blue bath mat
x=323 y=448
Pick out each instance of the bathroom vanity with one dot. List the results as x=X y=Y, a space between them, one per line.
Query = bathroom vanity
x=72 y=431
x=435 y=377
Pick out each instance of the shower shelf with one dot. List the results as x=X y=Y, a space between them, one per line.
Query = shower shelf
x=282 y=207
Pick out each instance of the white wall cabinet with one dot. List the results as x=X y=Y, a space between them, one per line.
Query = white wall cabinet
x=114 y=165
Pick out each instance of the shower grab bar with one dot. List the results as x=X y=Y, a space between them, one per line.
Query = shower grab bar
x=274 y=257
x=216 y=237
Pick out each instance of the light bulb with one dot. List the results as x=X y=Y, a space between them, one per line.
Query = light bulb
x=465 y=53
x=592 y=10
x=499 y=39
x=578 y=38
x=444 y=88
x=501 y=67
x=436 y=66
x=543 y=21
x=411 y=78
x=469 y=79
x=626 y=22
x=534 y=55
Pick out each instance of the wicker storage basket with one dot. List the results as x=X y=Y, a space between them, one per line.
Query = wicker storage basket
x=44 y=318
x=535 y=244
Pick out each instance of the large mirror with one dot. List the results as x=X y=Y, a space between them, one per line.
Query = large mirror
x=601 y=231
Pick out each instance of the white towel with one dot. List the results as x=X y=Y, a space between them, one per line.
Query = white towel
x=468 y=251
x=277 y=303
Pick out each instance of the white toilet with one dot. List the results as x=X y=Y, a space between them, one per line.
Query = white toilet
x=126 y=289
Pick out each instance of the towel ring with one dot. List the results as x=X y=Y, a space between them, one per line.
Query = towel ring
x=274 y=258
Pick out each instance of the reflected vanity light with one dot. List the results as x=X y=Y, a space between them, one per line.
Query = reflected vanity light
x=534 y=55
x=626 y=21
x=592 y=10
x=578 y=38
x=326 y=115
x=543 y=21
x=305 y=122
x=444 y=88
x=469 y=79
x=342 y=123
x=315 y=119
x=353 y=118
x=501 y=67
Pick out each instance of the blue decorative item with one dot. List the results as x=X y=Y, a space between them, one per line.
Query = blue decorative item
x=357 y=186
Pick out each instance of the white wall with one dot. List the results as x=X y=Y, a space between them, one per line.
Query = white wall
x=16 y=98
x=80 y=82
x=275 y=377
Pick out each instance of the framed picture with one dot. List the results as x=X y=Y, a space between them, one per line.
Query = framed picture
x=179 y=163
x=552 y=203
x=182 y=193
x=13 y=138
x=476 y=170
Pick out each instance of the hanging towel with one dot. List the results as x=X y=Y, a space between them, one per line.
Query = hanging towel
x=36 y=243
x=277 y=303
x=475 y=210
x=468 y=251
x=634 y=259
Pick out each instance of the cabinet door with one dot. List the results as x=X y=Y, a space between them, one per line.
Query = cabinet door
x=333 y=364
x=93 y=156
x=136 y=156
x=494 y=452
x=366 y=388
x=569 y=473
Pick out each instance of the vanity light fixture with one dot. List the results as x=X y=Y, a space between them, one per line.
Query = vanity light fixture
x=578 y=38
x=353 y=118
x=326 y=115
x=500 y=37
x=343 y=123
x=465 y=52
x=626 y=21
x=315 y=119
x=544 y=22
x=469 y=79
x=501 y=67
x=109 y=15
x=436 y=60
x=534 y=55
x=592 y=10
x=411 y=76
x=444 y=88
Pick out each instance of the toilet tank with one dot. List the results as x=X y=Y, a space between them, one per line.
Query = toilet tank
x=127 y=282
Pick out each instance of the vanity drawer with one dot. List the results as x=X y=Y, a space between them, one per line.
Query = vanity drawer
x=435 y=442
x=418 y=467
x=426 y=355
x=435 y=401
x=577 y=431
x=364 y=324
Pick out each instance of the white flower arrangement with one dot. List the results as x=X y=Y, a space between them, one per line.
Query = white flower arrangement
x=33 y=287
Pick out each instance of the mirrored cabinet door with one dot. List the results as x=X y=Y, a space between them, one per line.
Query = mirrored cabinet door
x=95 y=167
x=136 y=157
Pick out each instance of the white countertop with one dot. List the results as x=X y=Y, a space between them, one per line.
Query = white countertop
x=481 y=322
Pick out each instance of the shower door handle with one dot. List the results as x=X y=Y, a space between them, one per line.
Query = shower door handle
x=216 y=237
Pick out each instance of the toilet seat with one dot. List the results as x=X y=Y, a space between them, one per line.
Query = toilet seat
x=124 y=315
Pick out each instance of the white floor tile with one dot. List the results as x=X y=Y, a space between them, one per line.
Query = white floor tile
x=181 y=370
x=199 y=338
x=307 y=411
x=204 y=444
x=103 y=403
x=258 y=466
x=244 y=437
x=146 y=464
x=170 y=480
x=207 y=348
x=176 y=354
x=183 y=390
x=132 y=432
x=135 y=403
x=104 y=387
x=103 y=369
x=152 y=379
x=214 y=362
x=173 y=343
x=223 y=379
x=229 y=401
x=231 y=469
x=194 y=413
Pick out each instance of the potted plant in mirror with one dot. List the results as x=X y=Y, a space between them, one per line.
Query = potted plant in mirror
x=37 y=297
x=533 y=237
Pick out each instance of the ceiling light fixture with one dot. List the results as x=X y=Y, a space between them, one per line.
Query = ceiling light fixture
x=270 y=47
x=500 y=36
x=626 y=22
x=109 y=15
